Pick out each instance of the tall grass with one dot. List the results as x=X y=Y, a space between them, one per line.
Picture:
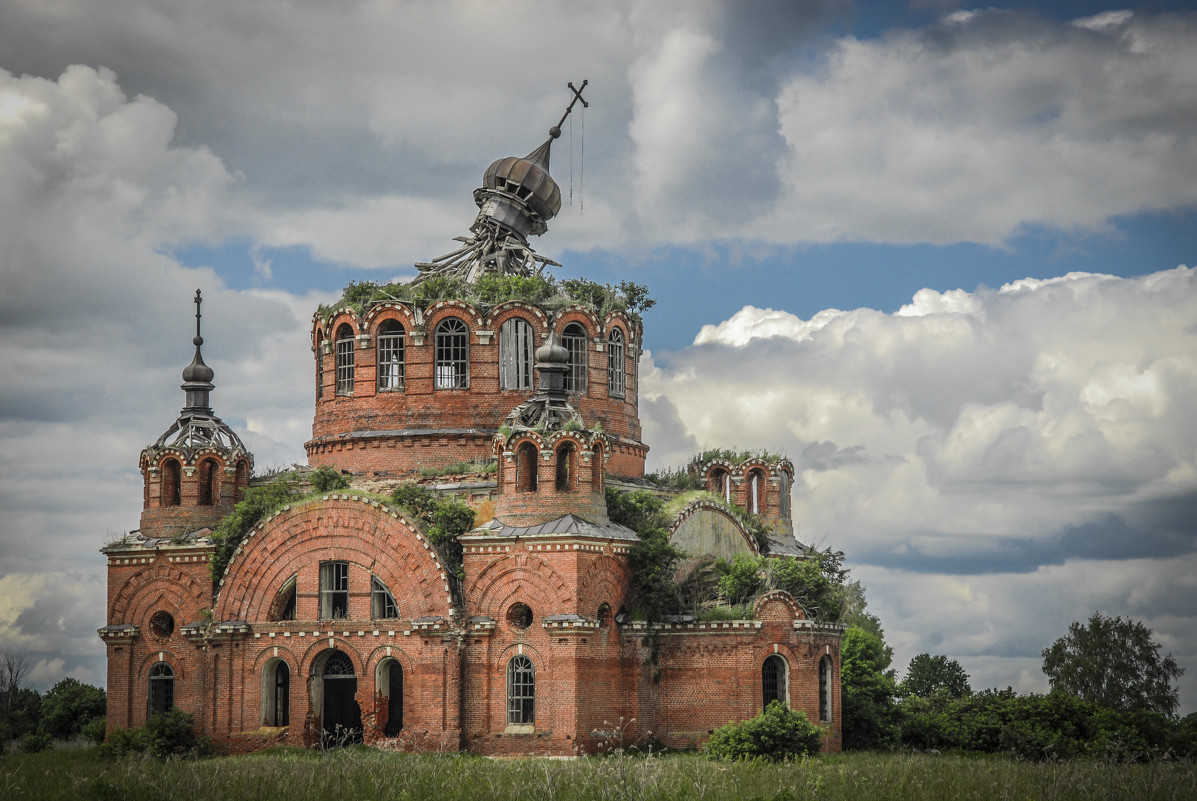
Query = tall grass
x=362 y=773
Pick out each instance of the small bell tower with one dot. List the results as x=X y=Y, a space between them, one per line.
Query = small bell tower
x=198 y=469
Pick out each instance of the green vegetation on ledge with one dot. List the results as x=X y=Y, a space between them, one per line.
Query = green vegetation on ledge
x=491 y=290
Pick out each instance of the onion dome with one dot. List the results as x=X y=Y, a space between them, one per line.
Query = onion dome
x=519 y=194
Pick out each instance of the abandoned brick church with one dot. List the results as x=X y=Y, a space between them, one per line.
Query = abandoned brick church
x=336 y=614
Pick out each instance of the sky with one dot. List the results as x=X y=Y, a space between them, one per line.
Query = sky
x=940 y=254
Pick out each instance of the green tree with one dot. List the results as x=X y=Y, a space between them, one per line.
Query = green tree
x=1115 y=663
x=929 y=675
x=867 y=690
x=69 y=706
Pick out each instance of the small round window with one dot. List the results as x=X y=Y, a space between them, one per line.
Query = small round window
x=520 y=616
x=162 y=625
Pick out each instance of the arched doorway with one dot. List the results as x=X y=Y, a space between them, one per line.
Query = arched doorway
x=390 y=689
x=341 y=717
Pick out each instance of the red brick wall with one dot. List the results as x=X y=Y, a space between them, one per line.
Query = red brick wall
x=381 y=416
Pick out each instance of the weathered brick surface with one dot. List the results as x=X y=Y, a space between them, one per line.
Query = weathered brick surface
x=398 y=432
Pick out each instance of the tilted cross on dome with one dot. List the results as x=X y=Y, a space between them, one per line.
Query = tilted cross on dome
x=517 y=198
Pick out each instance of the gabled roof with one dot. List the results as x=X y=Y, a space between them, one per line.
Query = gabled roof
x=567 y=525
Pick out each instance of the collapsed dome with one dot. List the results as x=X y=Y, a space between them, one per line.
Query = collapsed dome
x=519 y=194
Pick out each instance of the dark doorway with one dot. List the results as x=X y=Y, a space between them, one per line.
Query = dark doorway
x=394 y=700
x=341 y=722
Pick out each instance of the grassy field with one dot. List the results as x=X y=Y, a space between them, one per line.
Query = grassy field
x=358 y=774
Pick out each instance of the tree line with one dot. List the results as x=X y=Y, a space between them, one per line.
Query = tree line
x=1112 y=697
x=68 y=710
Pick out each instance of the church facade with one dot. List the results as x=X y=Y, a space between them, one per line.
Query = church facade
x=336 y=618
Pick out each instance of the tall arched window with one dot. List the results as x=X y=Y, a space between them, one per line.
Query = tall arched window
x=276 y=694
x=615 y=363
x=567 y=456
x=452 y=355
x=344 y=360
x=597 y=470
x=515 y=354
x=391 y=340
x=720 y=483
x=783 y=493
x=573 y=339
x=825 y=689
x=756 y=491
x=162 y=688
x=319 y=365
x=172 y=482
x=525 y=467
x=390 y=686
x=240 y=480
x=774 y=680
x=209 y=487
x=521 y=691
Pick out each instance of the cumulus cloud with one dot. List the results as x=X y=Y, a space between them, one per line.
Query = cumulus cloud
x=995 y=464
x=989 y=122
x=97 y=324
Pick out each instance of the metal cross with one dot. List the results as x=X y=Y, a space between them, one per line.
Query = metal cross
x=198 y=301
x=577 y=96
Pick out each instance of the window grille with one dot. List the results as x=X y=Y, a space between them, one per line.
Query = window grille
x=334 y=590
x=452 y=355
x=521 y=691
x=390 y=356
x=773 y=680
x=162 y=688
x=573 y=339
x=344 y=360
x=515 y=355
x=615 y=363
x=280 y=702
x=825 y=689
x=382 y=603
x=338 y=665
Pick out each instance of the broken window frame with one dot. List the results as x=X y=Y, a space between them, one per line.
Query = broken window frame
x=573 y=339
x=452 y=358
x=382 y=601
x=521 y=691
x=161 y=695
x=616 y=374
x=334 y=590
x=516 y=348
x=344 y=359
x=391 y=346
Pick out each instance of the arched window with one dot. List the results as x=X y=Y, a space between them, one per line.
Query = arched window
x=390 y=356
x=720 y=483
x=283 y=607
x=240 y=480
x=775 y=675
x=615 y=363
x=390 y=686
x=756 y=491
x=452 y=355
x=172 y=482
x=344 y=360
x=573 y=339
x=162 y=688
x=319 y=365
x=567 y=457
x=515 y=354
x=825 y=689
x=525 y=468
x=276 y=694
x=597 y=470
x=603 y=615
x=382 y=603
x=783 y=493
x=334 y=590
x=209 y=487
x=521 y=691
